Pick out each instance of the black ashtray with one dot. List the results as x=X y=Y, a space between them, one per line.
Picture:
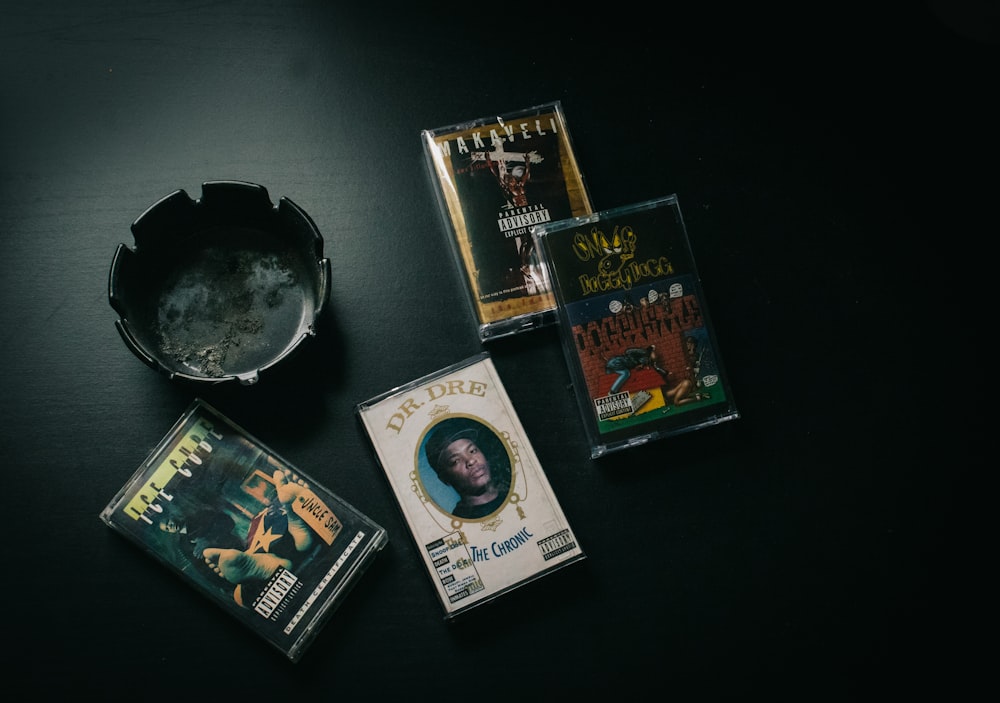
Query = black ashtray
x=222 y=288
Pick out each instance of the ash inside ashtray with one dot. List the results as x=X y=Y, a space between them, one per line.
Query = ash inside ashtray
x=229 y=310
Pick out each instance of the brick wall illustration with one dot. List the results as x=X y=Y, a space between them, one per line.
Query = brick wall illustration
x=662 y=323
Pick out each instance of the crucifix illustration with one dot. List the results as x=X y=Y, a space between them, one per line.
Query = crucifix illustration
x=512 y=179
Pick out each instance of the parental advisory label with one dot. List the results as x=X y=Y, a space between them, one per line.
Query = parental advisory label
x=613 y=405
x=557 y=544
x=281 y=587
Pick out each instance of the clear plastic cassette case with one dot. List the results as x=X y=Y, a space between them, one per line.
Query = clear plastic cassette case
x=493 y=178
x=478 y=505
x=635 y=328
x=235 y=521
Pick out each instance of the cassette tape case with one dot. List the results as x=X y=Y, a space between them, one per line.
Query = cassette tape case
x=494 y=177
x=478 y=505
x=634 y=325
x=247 y=529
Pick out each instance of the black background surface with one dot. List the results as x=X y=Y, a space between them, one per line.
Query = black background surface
x=834 y=166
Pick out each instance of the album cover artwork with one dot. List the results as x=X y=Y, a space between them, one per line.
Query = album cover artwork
x=250 y=531
x=635 y=328
x=493 y=178
x=478 y=505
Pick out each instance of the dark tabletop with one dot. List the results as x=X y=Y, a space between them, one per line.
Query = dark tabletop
x=833 y=167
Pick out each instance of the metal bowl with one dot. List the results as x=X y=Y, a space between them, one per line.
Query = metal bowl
x=222 y=288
